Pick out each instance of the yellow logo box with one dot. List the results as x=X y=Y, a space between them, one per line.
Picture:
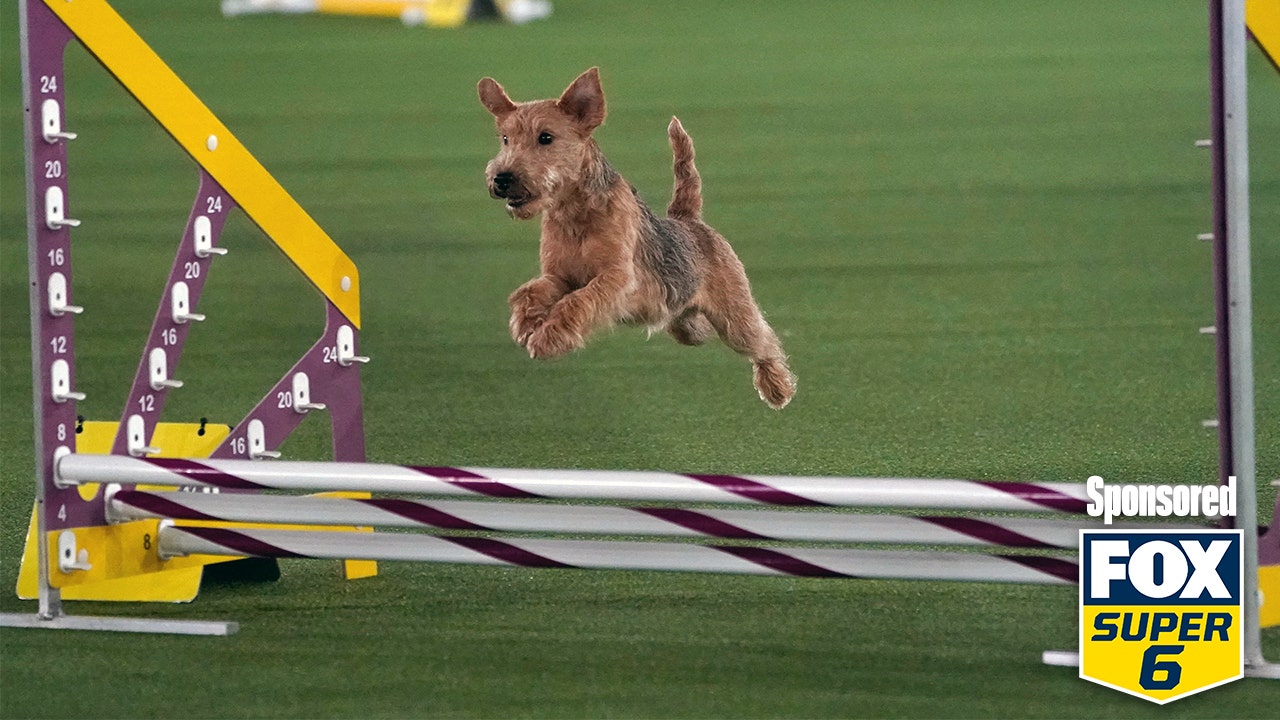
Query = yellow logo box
x=1161 y=612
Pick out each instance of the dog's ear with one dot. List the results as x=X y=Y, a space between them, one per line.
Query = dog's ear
x=583 y=100
x=494 y=98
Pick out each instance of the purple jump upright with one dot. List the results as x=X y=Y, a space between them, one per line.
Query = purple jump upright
x=325 y=379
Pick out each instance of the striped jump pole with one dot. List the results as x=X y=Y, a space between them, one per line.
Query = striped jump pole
x=489 y=516
x=620 y=555
x=519 y=484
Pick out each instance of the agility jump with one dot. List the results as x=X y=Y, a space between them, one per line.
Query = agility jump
x=111 y=525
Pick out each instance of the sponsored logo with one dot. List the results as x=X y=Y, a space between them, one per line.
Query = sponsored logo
x=1109 y=501
x=1161 y=612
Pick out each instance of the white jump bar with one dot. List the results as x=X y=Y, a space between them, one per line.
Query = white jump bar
x=620 y=555
x=77 y=469
x=761 y=524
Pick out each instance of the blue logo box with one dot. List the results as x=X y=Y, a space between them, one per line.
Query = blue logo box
x=1160 y=568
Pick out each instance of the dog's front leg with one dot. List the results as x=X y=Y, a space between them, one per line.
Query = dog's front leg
x=531 y=303
x=577 y=313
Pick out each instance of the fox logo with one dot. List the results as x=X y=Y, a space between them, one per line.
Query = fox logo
x=1160 y=612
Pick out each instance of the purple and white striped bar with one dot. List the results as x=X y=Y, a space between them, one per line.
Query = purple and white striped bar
x=619 y=555
x=576 y=484
x=744 y=524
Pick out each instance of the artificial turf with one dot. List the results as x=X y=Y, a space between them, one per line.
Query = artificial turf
x=972 y=223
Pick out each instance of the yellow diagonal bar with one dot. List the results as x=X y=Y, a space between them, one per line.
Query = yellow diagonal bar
x=126 y=56
x=436 y=13
x=376 y=8
x=1263 y=19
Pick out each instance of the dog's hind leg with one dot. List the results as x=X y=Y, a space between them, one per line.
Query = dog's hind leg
x=729 y=307
x=691 y=328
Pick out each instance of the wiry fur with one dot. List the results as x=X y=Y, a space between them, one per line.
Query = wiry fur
x=606 y=257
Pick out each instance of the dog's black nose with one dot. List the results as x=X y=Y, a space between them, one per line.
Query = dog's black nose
x=502 y=182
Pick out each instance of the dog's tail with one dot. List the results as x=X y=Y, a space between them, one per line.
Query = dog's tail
x=686 y=199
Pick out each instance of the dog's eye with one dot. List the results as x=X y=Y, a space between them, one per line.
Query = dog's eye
x=545 y=139
x=504 y=139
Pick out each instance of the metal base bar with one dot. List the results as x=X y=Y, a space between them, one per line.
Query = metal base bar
x=1268 y=670
x=1068 y=658
x=1060 y=658
x=117 y=624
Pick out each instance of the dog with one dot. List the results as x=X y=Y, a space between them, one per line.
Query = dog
x=606 y=258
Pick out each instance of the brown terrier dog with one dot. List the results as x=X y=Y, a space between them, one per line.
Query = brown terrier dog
x=606 y=258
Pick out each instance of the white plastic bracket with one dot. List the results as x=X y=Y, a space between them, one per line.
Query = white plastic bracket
x=55 y=209
x=302 y=394
x=160 y=371
x=60 y=380
x=109 y=506
x=58 y=297
x=204 y=238
x=257 y=437
x=51 y=123
x=59 y=453
x=180 y=304
x=137 y=437
x=71 y=558
x=347 y=347
x=161 y=553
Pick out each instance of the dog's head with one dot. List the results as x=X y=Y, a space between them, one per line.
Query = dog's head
x=545 y=143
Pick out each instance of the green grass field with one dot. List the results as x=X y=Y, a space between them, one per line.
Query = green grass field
x=972 y=223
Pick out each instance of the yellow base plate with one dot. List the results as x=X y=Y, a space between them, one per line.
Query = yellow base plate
x=124 y=564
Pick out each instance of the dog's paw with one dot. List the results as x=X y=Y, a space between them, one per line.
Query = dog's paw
x=774 y=382
x=524 y=324
x=527 y=315
x=551 y=340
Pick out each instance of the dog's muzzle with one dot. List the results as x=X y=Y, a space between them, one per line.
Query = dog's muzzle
x=505 y=186
x=502 y=183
